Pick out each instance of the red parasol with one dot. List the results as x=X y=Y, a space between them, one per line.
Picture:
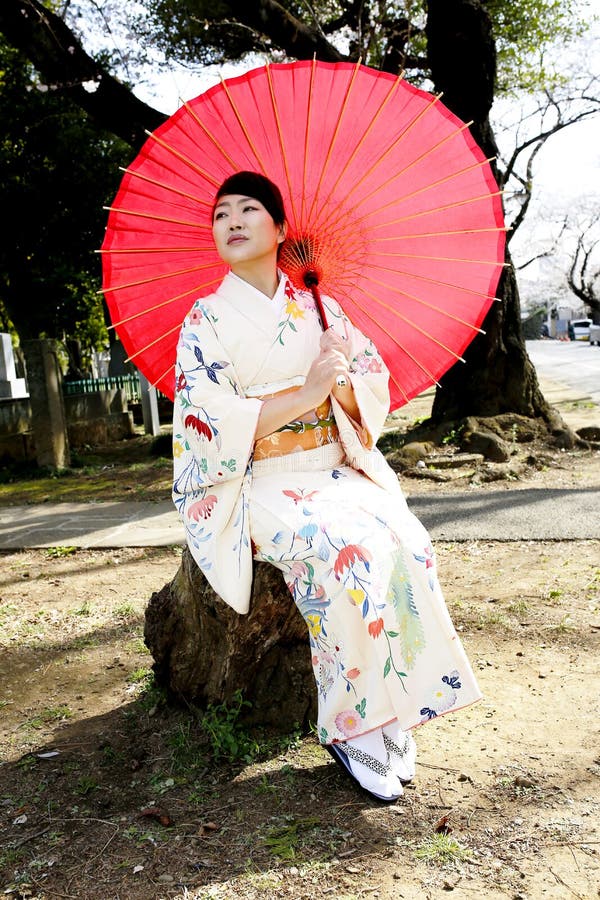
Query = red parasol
x=390 y=203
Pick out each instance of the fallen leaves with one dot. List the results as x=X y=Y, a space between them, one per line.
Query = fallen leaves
x=158 y=814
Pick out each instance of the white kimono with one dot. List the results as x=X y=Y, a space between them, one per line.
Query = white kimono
x=358 y=564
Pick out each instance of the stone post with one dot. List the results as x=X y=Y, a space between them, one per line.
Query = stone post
x=11 y=387
x=149 y=407
x=44 y=380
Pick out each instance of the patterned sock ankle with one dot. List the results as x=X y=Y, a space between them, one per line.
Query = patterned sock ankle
x=383 y=782
x=402 y=759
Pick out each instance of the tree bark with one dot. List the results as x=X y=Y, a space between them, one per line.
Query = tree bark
x=498 y=376
x=204 y=651
x=298 y=40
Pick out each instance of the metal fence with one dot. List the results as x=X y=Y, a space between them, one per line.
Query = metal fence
x=129 y=383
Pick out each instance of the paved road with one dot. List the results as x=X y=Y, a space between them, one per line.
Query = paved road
x=575 y=364
x=529 y=514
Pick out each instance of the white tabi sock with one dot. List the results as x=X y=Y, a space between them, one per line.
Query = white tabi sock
x=387 y=785
x=403 y=763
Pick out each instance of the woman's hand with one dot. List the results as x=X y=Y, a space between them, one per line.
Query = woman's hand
x=331 y=364
x=331 y=341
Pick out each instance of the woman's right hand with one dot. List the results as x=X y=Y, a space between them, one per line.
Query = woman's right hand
x=321 y=377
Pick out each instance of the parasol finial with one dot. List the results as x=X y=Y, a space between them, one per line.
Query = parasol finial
x=311 y=279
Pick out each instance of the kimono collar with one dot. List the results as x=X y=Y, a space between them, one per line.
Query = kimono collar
x=251 y=304
x=233 y=285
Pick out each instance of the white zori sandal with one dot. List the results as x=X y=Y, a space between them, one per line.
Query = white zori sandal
x=402 y=751
x=367 y=761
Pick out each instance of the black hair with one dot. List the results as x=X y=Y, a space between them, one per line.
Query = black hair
x=252 y=184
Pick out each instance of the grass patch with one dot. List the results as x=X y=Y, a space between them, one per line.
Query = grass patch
x=137 y=645
x=86 y=786
x=58 y=552
x=140 y=676
x=565 y=625
x=103 y=473
x=518 y=607
x=84 y=610
x=187 y=754
x=442 y=849
x=488 y=618
x=7 y=611
x=48 y=715
x=125 y=611
x=284 y=841
x=227 y=738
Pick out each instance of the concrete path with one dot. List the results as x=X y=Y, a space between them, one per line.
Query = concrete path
x=528 y=514
x=509 y=515
x=116 y=524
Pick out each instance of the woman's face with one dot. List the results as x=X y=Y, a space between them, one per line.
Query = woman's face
x=244 y=232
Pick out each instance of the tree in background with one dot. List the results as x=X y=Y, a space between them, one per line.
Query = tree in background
x=58 y=169
x=583 y=276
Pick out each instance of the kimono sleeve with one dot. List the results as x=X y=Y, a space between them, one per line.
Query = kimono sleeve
x=213 y=437
x=217 y=423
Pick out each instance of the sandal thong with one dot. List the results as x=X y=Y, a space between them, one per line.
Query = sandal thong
x=396 y=750
x=340 y=755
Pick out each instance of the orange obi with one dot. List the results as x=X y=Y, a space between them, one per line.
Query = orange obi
x=299 y=435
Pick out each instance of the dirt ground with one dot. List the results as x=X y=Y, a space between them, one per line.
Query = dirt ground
x=108 y=792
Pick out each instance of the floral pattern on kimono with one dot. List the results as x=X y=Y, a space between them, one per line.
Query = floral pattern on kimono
x=362 y=572
x=358 y=564
x=233 y=343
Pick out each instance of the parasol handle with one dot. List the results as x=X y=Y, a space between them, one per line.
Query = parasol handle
x=311 y=280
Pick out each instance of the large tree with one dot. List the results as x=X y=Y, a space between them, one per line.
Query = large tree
x=58 y=168
x=451 y=41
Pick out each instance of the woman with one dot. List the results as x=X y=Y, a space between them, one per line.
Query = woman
x=275 y=427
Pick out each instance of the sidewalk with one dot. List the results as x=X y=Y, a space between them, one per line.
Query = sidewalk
x=534 y=514
x=513 y=515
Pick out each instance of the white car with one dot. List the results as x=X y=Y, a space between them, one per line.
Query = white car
x=595 y=334
x=579 y=329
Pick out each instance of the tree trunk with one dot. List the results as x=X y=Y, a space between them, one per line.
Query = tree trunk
x=204 y=651
x=498 y=376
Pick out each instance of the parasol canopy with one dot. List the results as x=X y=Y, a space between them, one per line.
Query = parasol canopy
x=389 y=201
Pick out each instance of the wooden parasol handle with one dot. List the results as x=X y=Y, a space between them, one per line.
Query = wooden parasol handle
x=311 y=280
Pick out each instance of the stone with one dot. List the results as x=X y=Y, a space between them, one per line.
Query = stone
x=589 y=433
x=455 y=460
x=149 y=407
x=11 y=387
x=485 y=443
x=414 y=451
x=409 y=455
x=44 y=378
x=563 y=438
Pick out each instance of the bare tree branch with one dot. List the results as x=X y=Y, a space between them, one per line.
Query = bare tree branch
x=541 y=138
x=59 y=57
x=551 y=115
x=550 y=251
x=584 y=286
x=290 y=34
x=527 y=194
